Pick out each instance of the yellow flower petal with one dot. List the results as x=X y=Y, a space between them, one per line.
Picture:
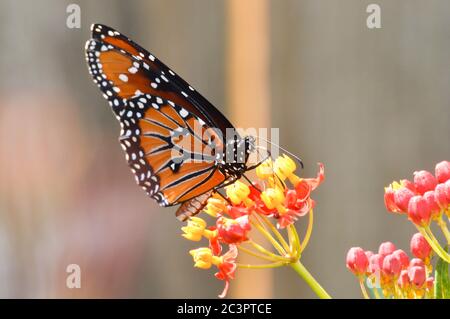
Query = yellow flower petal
x=284 y=167
x=194 y=229
x=272 y=197
x=237 y=192
x=202 y=257
x=265 y=169
x=215 y=206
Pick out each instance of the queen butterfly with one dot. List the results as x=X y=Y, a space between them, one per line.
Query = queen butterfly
x=162 y=116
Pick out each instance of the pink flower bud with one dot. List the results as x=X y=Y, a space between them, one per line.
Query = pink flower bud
x=420 y=247
x=442 y=171
x=357 y=261
x=386 y=248
x=424 y=181
x=416 y=262
x=369 y=254
x=402 y=257
x=409 y=185
x=391 y=265
x=375 y=263
x=402 y=197
x=440 y=195
x=431 y=202
x=403 y=279
x=418 y=211
x=417 y=275
x=389 y=200
x=447 y=190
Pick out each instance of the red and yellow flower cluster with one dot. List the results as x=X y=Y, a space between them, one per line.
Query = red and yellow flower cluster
x=391 y=273
x=272 y=203
x=424 y=200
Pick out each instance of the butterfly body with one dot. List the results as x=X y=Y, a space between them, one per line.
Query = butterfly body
x=175 y=141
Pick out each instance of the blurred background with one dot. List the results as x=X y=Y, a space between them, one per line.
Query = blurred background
x=372 y=104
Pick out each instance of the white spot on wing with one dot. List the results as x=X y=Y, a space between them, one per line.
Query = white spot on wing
x=184 y=113
x=123 y=77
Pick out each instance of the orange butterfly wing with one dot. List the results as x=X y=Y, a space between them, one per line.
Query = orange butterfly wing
x=166 y=134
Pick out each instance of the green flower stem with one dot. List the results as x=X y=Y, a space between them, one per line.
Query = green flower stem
x=275 y=232
x=426 y=232
x=312 y=283
x=269 y=237
x=263 y=266
x=256 y=254
x=261 y=249
x=444 y=228
x=308 y=231
x=375 y=292
x=296 y=243
x=363 y=287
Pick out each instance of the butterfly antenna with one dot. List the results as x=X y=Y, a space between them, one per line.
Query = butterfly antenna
x=298 y=159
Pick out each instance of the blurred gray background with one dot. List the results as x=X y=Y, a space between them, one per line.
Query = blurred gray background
x=372 y=105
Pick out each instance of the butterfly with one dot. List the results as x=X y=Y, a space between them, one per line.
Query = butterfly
x=176 y=143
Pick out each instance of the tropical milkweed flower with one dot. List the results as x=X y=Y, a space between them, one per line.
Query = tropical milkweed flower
x=194 y=229
x=391 y=272
x=397 y=196
x=357 y=261
x=403 y=280
x=417 y=275
x=420 y=247
x=424 y=181
x=442 y=171
x=419 y=211
x=272 y=203
x=402 y=258
x=424 y=200
x=391 y=265
x=386 y=248
x=233 y=231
